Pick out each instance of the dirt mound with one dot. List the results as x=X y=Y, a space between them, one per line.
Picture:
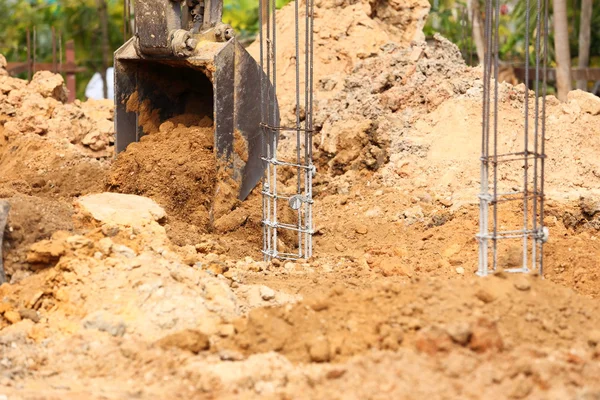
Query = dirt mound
x=380 y=100
x=360 y=28
x=39 y=107
x=47 y=147
x=427 y=148
x=432 y=316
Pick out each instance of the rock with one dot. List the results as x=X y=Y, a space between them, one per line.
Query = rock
x=217 y=267
x=588 y=102
x=319 y=303
x=460 y=332
x=105 y=322
x=361 y=229
x=77 y=242
x=49 y=85
x=413 y=214
x=373 y=212
x=27 y=313
x=189 y=339
x=105 y=246
x=46 y=251
x=446 y=202
x=485 y=336
x=460 y=270
x=123 y=251
x=395 y=266
x=120 y=209
x=319 y=349
x=110 y=230
x=485 y=296
x=522 y=283
x=12 y=316
x=340 y=247
x=266 y=293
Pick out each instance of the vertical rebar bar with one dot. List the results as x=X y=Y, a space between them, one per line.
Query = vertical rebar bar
x=298 y=125
x=526 y=131
x=538 y=23
x=543 y=138
x=496 y=66
x=273 y=123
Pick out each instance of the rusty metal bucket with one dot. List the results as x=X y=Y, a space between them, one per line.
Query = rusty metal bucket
x=215 y=78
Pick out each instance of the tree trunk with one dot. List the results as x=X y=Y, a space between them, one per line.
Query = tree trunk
x=585 y=27
x=477 y=26
x=103 y=15
x=561 y=48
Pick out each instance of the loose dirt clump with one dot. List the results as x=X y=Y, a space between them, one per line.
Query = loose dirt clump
x=176 y=167
x=30 y=220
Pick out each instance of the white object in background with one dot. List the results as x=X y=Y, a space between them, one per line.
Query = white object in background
x=94 y=89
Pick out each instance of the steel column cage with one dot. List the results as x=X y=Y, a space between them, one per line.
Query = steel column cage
x=287 y=208
x=528 y=163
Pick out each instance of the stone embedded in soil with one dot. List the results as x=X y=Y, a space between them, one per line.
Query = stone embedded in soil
x=522 y=283
x=122 y=250
x=12 y=316
x=27 y=313
x=46 y=251
x=266 y=293
x=120 y=209
x=189 y=339
x=460 y=332
x=361 y=229
x=105 y=322
x=485 y=295
x=319 y=349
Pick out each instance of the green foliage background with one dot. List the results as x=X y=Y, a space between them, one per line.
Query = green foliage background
x=448 y=19
x=78 y=20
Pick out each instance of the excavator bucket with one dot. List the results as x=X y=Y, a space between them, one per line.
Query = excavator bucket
x=199 y=75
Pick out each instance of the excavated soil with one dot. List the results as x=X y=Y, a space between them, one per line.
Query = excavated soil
x=175 y=165
x=116 y=296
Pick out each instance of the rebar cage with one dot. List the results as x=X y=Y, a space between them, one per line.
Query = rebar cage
x=527 y=161
x=287 y=182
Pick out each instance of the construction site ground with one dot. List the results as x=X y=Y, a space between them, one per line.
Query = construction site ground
x=130 y=279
